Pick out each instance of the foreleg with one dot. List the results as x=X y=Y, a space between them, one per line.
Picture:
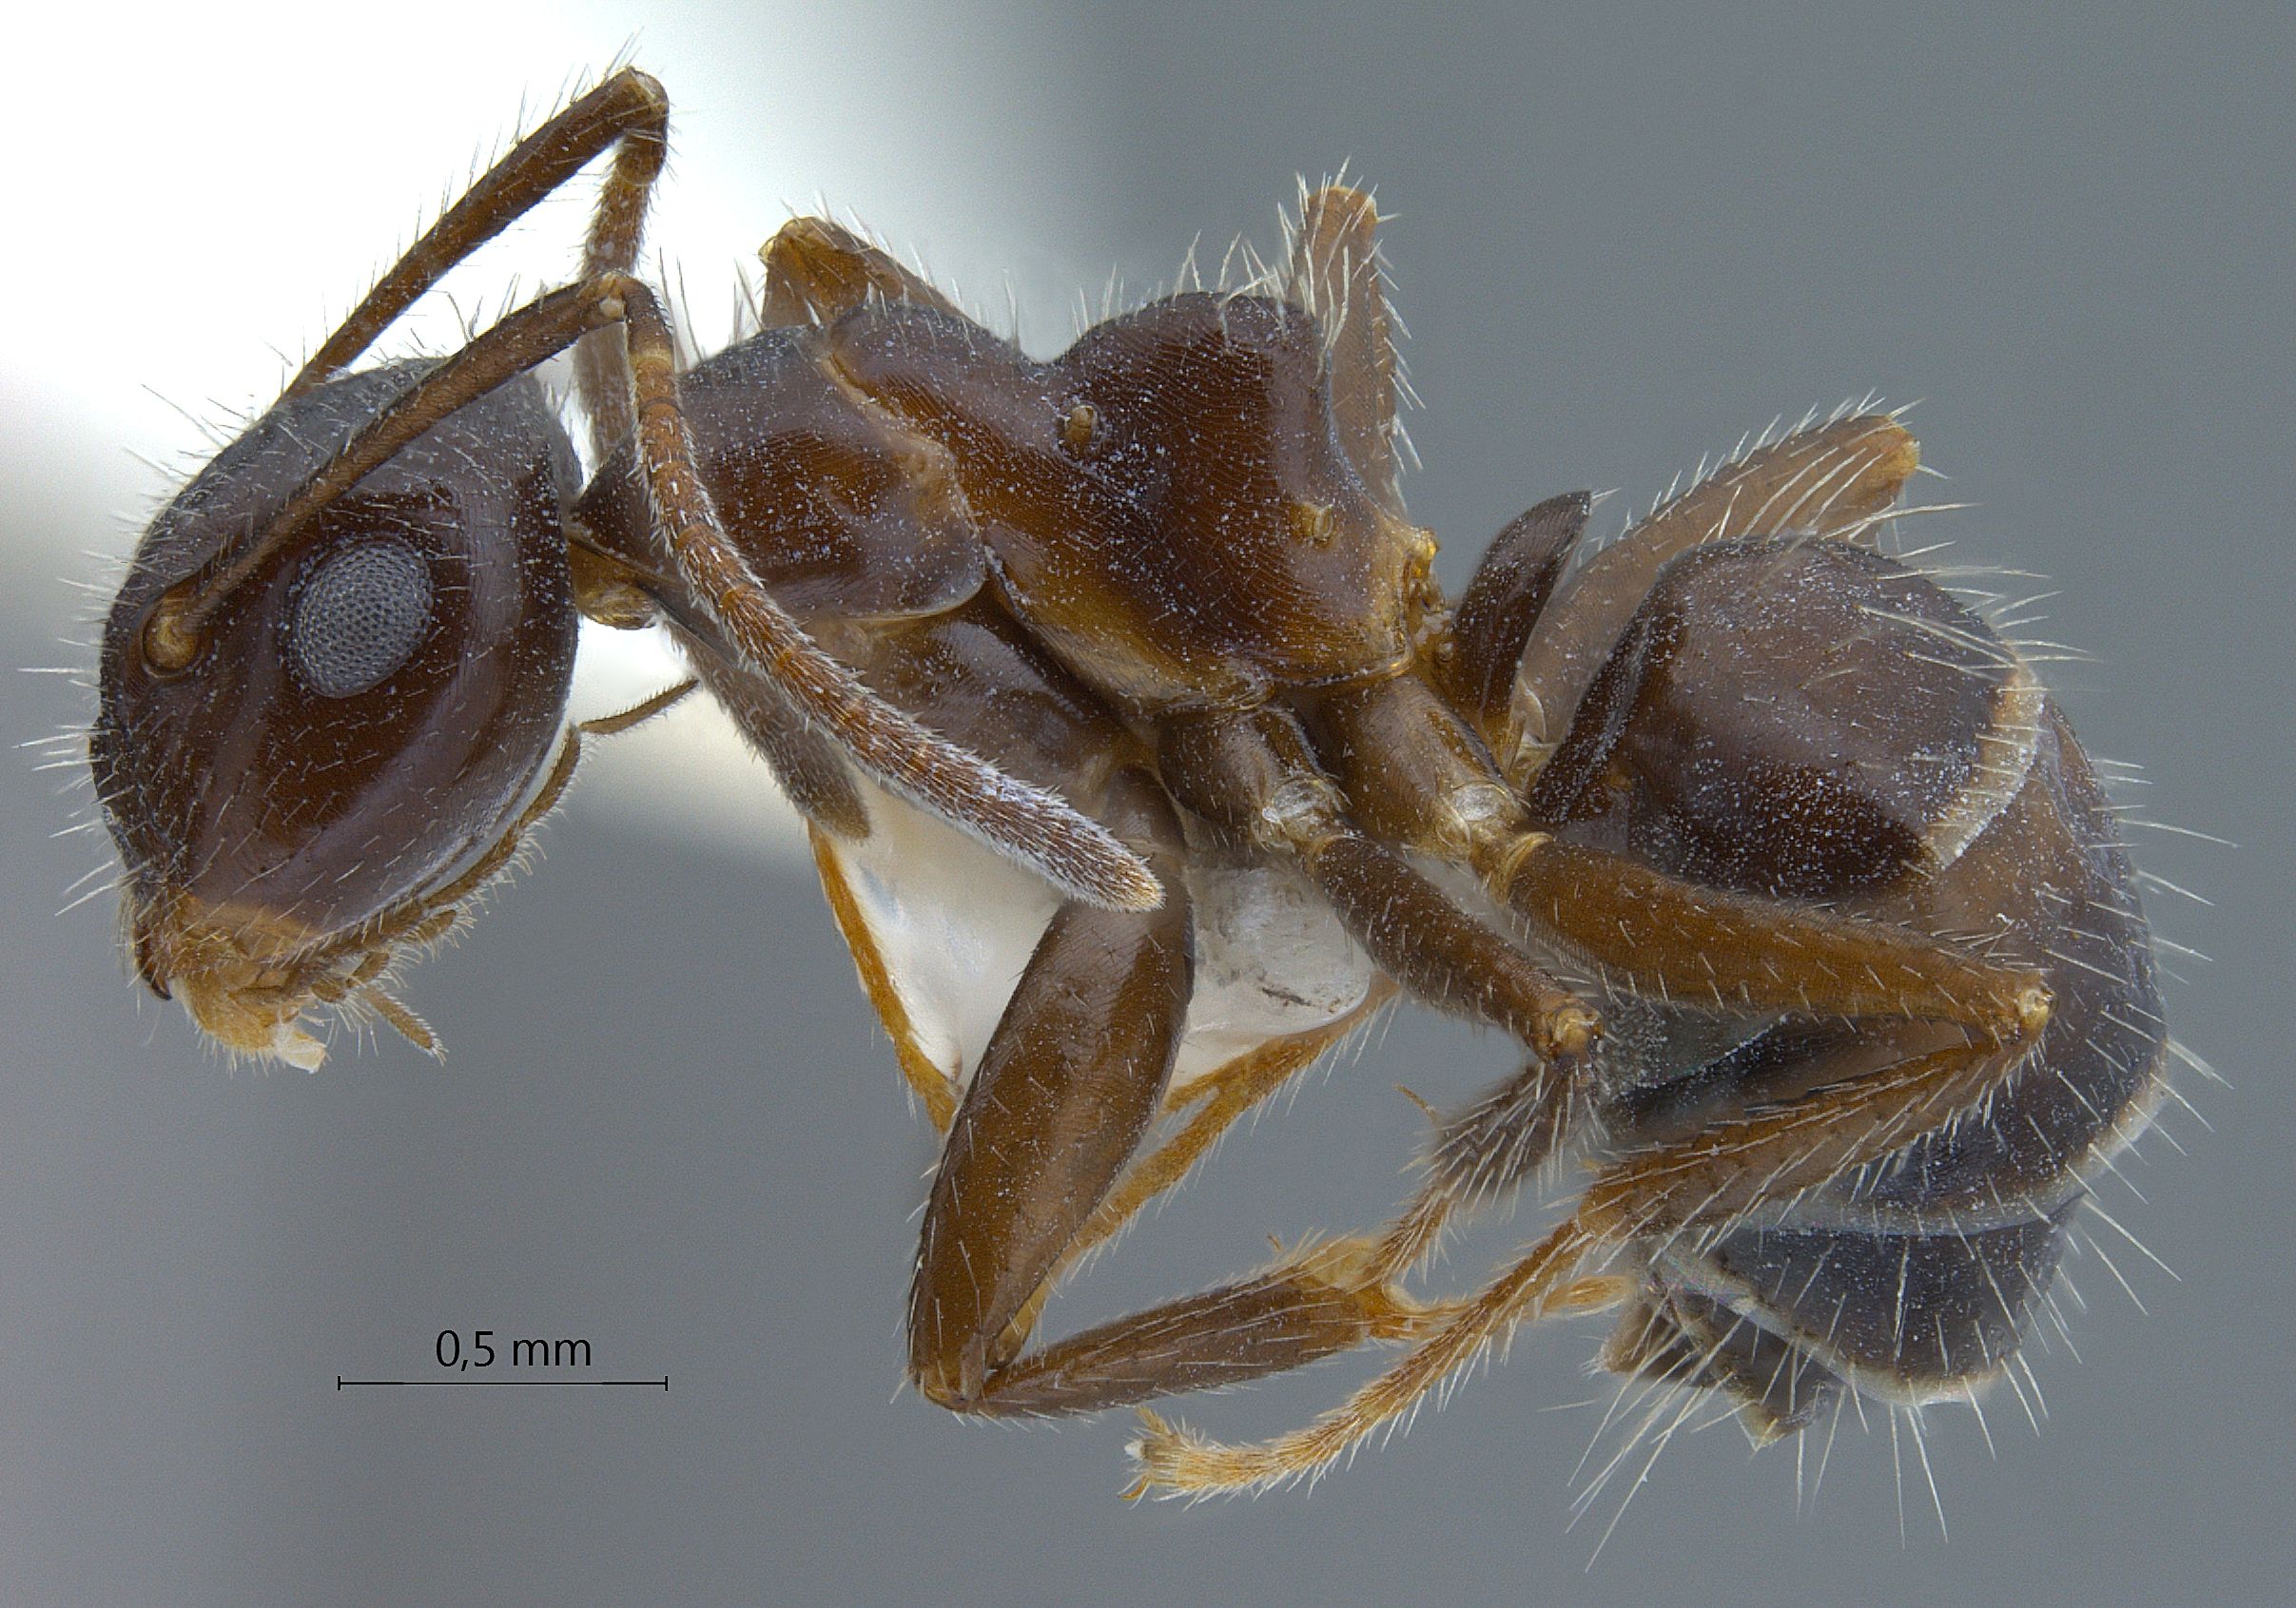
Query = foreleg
x=1035 y=1175
x=1069 y=1085
x=1213 y=1103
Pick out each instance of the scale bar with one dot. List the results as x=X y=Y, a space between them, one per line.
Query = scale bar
x=661 y=1383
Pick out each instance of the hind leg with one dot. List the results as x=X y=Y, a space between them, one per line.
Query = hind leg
x=1413 y=773
x=1709 y=1179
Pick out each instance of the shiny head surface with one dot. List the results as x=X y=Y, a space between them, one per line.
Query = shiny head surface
x=365 y=715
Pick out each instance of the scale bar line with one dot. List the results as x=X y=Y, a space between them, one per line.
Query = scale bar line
x=661 y=1383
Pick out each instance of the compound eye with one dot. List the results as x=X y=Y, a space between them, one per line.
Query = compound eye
x=362 y=613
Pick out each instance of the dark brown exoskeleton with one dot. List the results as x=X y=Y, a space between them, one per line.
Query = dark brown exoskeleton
x=1144 y=759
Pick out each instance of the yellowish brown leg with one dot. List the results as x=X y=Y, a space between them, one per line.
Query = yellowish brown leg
x=1307 y=1307
x=1067 y=1088
x=1708 y=948
x=1254 y=775
x=1314 y=1304
x=1707 y=1179
x=935 y=1089
x=1481 y=1154
x=1070 y=1083
x=1214 y=1103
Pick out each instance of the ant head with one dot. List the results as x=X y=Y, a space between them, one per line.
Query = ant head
x=365 y=711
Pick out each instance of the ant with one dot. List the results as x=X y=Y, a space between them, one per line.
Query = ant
x=1143 y=759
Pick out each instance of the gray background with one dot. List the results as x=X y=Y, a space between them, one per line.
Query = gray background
x=669 y=1124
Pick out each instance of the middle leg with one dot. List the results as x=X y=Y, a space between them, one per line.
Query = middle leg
x=1414 y=773
x=1710 y=1179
